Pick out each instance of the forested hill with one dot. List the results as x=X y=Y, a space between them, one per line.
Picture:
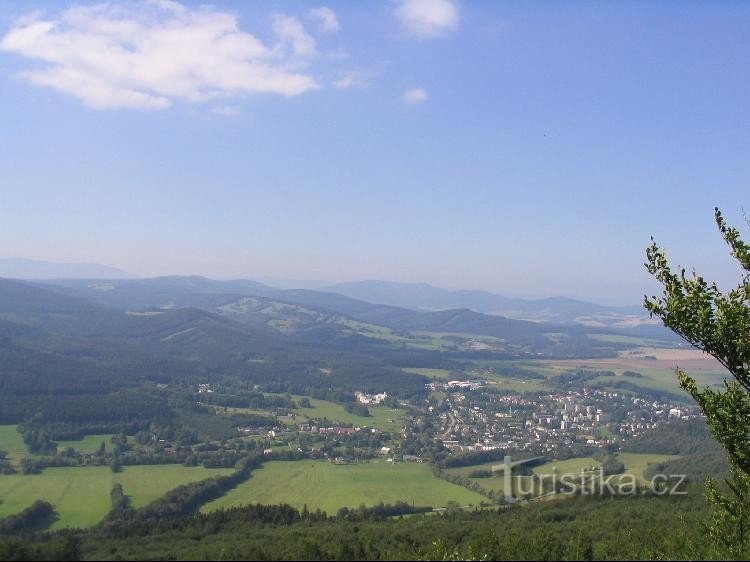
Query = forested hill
x=422 y=296
x=331 y=313
x=53 y=344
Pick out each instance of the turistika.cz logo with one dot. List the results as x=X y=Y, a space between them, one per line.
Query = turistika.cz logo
x=588 y=482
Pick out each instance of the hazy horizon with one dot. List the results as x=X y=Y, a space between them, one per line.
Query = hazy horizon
x=529 y=150
x=276 y=282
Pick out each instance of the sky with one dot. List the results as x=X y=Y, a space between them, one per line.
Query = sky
x=527 y=148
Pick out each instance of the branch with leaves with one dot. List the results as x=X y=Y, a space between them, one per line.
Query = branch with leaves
x=719 y=324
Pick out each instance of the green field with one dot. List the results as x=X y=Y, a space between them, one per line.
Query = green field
x=81 y=494
x=569 y=466
x=635 y=464
x=657 y=375
x=89 y=444
x=381 y=417
x=323 y=485
x=12 y=443
x=631 y=340
x=467 y=470
x=496 y=483
x=517 y=385
x=440 y=374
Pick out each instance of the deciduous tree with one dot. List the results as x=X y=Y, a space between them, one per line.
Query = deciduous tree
x=718 y=323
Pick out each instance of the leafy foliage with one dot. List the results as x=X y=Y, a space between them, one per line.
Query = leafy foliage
x=581 y=528
x=719 y=324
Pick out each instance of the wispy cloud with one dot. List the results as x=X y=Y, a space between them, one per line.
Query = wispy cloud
x=353 y=79
x=414 y=96
x=327 y=20
x=226 y=110
x=292 y=33
x=151 y=54
x=424 y=19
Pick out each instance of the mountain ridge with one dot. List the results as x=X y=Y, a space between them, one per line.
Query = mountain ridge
x=423 y=296
x=24 y=268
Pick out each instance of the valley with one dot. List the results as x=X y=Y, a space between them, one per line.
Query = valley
x=334 y=403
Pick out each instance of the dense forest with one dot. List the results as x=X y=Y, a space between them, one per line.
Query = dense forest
x=582 y=528
x=108 y=360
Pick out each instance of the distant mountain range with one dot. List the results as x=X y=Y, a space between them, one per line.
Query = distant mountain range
x=302 y=311
x=421 y=296
x=22 y=268
x=412 y=296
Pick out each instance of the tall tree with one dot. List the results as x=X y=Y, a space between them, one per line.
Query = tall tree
x=719 y=324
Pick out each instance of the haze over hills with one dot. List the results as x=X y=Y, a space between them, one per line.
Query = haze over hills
x=422 y=296
x=414 y=296
x=23 y=268
x=322 y=314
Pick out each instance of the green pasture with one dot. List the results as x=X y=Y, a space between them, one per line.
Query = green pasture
x=568 y=466
x=381 y=417
x=89 y=444
x=12 y=443
x=440 y=374
x=323 y=485
x=81 y=494
x=635 y=465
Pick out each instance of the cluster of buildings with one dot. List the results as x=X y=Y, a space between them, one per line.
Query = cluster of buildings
x=486 y=421
x=333 y=430
x=370 y=399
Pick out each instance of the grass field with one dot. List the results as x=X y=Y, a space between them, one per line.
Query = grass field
x=466 y=470
x=385 y=419
x=381 y=417
x=12 y=443
x=89 y=444
x=631 y=340
x=517 y=385
x=440 y=374
x=323 y=485
x=81 y=494
x=635 y=465
x=657 y=365
x=568 y=466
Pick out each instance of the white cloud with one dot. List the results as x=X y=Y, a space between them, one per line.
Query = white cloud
x=347 y=81
x=150 y=54
x=414 y=96
x=292 y=34
x=327 y=20
x=352 y=79
x=424 y=19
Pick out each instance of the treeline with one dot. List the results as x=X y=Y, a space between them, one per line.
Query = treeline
x=579 y=528
x=678 y=437
x=178 y=502
x=253 y=400
x=38 y=515
x=377 y=512
x=470 y=459
x=695 y=468
x=184 y=500
x=610 y=463
x=482 y=457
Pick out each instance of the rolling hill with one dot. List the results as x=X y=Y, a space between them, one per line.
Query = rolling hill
x=421 y=296
x=332 y=318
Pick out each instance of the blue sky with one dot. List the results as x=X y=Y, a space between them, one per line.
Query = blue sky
x=526 y=148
